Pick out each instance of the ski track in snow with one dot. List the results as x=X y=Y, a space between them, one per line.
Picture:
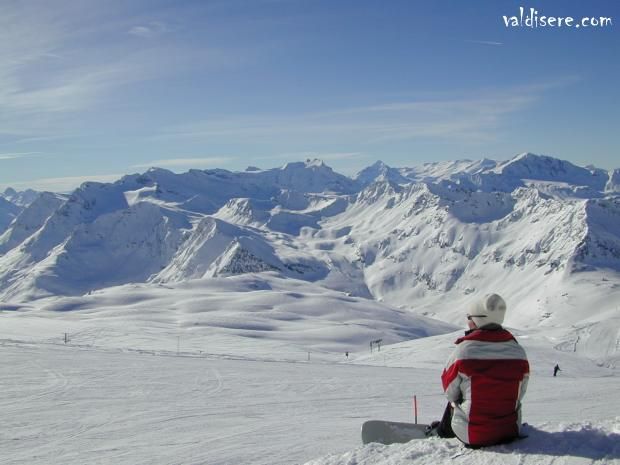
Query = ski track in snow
x=78 y=404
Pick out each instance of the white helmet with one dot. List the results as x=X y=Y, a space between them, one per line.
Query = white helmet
x=490 y=309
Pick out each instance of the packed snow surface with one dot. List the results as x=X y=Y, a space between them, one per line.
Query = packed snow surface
x=246 y=370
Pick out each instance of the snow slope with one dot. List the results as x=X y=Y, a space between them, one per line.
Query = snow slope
x=22 y=198
x=210 y=371
x=565 y=415
x=428 y=245
x=563 y=443
x=540 y=231
x=256 y=307
x=490 y=175
x=129 y=231
x=30 y=220
x=8 y=212
x=203 y=317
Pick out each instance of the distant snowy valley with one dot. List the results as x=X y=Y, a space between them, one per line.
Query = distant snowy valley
x=232 y=297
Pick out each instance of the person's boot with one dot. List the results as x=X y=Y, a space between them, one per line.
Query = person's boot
x=432 y=429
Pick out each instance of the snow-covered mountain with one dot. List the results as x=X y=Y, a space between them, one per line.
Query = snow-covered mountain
x=379 y=171
x=20 y=198
x=541 y=231
x=30 y=219
x=8 y=212
x=176 y=289
x=489 y=175
x=12 y=203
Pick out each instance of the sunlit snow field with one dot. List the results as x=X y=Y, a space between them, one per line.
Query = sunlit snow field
x=143 y=384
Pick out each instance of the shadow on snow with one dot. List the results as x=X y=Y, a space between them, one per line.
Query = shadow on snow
x=587 y=442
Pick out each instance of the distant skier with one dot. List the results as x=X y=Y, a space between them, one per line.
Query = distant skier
x=556 y=368
x=485 y=380
x=346 y=354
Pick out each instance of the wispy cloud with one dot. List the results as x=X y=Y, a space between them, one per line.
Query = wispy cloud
x=60 y=59
x=18 y=155
x=60 y=184
x=331 y=156
x=326 y=156
x=465 y=118
x=474 y=117
x=49 y=67
x=186 y=162
x=47 y=138
x=486 y=42
x=147 y=31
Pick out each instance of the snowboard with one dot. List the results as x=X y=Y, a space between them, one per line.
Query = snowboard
x=390 y=432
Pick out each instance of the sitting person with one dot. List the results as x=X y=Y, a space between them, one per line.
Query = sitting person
x=485 y=380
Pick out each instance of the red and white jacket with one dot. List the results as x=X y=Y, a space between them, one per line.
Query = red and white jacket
x=485 y=378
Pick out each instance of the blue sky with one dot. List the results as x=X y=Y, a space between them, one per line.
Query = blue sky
x=97 y=89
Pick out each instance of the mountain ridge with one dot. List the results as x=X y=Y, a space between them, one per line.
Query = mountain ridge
x=428 y=239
